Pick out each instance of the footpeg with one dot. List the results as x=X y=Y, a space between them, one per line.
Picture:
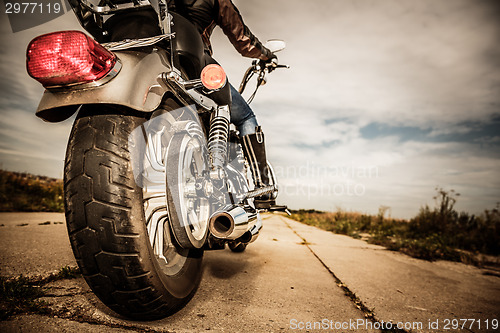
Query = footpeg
x=264 y=203
x=276 y=208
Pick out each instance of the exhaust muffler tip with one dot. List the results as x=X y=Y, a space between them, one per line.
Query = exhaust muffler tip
x=230 y=222
x=221 y=224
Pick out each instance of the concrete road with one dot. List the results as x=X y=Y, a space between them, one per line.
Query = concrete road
x=292 y=277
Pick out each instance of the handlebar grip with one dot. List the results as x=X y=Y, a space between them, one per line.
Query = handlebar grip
x=274 y=65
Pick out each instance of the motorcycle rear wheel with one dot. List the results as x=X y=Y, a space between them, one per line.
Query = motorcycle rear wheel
x=107 y=225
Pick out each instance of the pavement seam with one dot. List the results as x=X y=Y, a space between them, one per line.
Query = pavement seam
x=369 y=314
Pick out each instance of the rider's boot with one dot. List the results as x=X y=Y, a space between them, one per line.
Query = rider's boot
x=255 y=152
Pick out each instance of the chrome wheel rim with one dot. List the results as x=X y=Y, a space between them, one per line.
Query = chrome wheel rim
x=194 y=210
x=170 y=257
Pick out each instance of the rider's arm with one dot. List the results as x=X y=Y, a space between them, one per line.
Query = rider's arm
x=231 y=22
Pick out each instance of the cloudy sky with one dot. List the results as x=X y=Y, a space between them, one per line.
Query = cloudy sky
x=385 y=101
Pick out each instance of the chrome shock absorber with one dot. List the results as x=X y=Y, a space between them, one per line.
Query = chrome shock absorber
x=217 y=140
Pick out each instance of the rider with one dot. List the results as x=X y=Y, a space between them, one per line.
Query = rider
x=205 y=15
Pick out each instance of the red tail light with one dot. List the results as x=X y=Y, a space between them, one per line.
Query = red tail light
x=67 y=57
x=213 y=77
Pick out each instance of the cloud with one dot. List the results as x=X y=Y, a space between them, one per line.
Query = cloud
x=400 y=175
x=311 y=150
x=29 y=144
x=398 y=62
x=481 y=132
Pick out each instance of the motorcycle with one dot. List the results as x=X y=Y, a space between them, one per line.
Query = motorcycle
x=154 y=173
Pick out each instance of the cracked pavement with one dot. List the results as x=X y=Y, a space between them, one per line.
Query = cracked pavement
x=292 y=274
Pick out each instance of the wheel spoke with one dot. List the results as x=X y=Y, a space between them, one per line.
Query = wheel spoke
x=152 y=224
x=186 y=153
x=154 y=152
x=151 y=195
x=158 y=246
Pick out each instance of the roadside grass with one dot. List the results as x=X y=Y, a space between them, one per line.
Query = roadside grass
x=434 y=233
x=22 y=294
x=65 y=273
x=21 y=192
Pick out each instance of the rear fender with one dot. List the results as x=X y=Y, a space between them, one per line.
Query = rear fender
x=139 y=86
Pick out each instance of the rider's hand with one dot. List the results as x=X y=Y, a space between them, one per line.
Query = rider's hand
x=270 y=63
x=273 y=60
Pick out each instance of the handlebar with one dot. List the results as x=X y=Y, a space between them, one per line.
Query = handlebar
x=261 y=68
x=270 y=66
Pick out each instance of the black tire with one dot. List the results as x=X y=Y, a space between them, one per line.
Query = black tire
x=107 y=227
x=239 y=247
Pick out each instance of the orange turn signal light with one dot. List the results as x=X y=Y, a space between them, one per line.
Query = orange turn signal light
x=213 y=77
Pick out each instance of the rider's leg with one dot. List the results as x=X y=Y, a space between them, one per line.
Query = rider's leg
x=242 y=115
x=253 y=143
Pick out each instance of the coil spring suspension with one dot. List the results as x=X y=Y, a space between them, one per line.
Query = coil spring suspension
x=217 y=138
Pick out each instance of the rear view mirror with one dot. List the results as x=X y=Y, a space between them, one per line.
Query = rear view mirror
x=275 y=45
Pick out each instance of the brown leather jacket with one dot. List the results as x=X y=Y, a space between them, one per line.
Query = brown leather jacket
x=206 y=14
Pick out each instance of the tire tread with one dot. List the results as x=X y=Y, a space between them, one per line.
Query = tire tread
x=100 y=214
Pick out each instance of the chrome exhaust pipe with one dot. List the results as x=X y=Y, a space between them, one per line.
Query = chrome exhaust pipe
x=251 y=235
x=255 y=230
x=230 y=223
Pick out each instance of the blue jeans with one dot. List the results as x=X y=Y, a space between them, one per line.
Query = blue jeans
x=242 y=115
